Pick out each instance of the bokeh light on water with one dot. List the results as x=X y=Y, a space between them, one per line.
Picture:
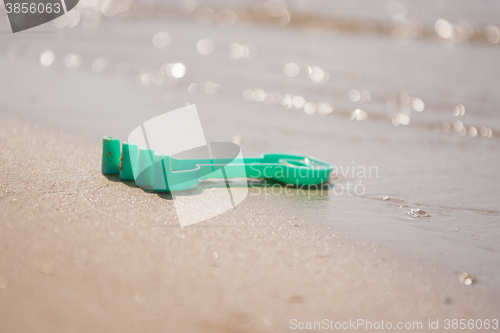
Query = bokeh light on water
x=341 y=89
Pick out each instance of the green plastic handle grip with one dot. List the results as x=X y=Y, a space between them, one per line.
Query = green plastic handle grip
x=285 y=168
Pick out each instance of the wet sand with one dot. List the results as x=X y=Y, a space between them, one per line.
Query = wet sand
x=81 y=252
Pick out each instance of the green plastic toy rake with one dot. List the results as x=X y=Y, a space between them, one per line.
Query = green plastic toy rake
x=165 y=173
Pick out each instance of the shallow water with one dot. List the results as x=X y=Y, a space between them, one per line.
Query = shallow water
x=443 y=161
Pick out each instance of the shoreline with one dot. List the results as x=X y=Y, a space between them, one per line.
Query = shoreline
x=83 y=250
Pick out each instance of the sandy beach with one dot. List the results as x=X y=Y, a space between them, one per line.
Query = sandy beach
x=81 y=252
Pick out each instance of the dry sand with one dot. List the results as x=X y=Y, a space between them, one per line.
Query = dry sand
x=80 y=252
